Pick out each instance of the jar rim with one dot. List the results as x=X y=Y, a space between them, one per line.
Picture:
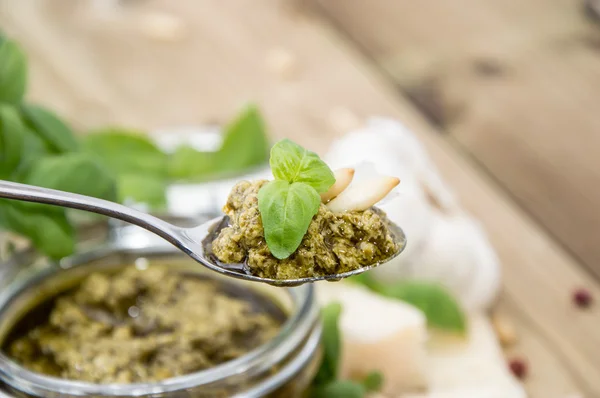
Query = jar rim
x=291 y=335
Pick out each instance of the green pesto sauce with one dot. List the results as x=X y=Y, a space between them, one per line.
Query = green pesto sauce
x=334 y=243
x=140 y=326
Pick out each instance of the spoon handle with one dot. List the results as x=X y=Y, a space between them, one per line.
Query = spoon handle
x=31 y=193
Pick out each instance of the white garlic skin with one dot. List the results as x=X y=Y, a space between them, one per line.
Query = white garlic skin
x=445 y=245
x=456 y=254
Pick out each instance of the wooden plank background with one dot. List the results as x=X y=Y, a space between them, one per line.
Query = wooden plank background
x=501 y=93
x=515 y=83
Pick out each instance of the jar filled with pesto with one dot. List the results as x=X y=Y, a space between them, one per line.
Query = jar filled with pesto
x=129 y=316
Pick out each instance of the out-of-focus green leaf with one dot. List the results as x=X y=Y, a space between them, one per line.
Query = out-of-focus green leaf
x=440 y=308
x=365 y=279
x=12 y=132
x=340 y=389
x=245 y=145
x=73 y=172
x=189 y=164
x=126 y=152
x=373 y=381
x=142 y=189
x=33 y=150
x=245 y=142
x=48 y=229
x=57 y=135
x=331 y=344
x=13 y=72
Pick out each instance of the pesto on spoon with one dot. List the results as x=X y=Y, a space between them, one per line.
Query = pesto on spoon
x=288 y=206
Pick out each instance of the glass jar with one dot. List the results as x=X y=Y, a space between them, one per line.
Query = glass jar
x=283 y=367
x=206 y=196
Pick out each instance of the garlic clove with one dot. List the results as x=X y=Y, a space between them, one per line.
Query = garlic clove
x=343 y=178
x=362 y=195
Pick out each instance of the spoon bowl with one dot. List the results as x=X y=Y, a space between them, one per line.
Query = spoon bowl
x=195 y=242
x=208 y=232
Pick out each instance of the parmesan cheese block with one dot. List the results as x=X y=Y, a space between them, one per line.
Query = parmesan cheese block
x=472 y=368
x=379 y=334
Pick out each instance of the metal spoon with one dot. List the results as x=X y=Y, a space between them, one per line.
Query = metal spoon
x=195 y=242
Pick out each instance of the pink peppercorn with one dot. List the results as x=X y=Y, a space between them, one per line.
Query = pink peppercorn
x=518 y=367
x=582 y=298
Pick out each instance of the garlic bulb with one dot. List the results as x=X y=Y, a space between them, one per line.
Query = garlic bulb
x=456 y=254
x=445 y=245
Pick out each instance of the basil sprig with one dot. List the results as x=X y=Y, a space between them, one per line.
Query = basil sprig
x=288 y=203
x=292 y=163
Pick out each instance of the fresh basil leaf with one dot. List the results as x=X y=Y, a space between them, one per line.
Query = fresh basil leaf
x=286 y=211
x=290 y=162
x=11 y=140
x=373 y=381
x=331 y=344
x=440 y=308
x=245 y=142
x=58 y=136
x=13 y=72
x=73 y=172
x=340 y=389
x=50 y=231
x=142 y=188
x=126 y=152
x=190 y=164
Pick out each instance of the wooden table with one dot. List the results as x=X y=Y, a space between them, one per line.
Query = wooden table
x=504 y=94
